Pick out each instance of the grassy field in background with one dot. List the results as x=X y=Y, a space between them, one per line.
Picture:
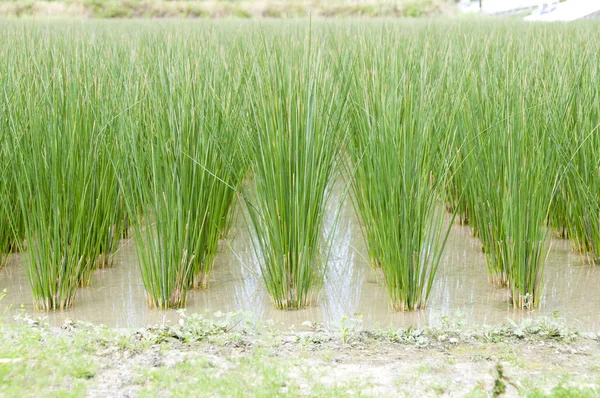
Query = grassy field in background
x=224 y=8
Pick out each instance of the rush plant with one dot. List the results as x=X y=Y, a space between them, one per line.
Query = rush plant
x=186 y=166
x=296 y=140
x=395 y=153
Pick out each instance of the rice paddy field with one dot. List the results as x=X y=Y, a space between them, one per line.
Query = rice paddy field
x=382 y=173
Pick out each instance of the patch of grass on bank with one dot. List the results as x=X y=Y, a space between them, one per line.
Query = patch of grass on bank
x=225 y=355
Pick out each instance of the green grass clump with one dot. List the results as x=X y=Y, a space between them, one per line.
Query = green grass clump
x=11 y=226
x=395 y=152
x=528 y=186
x=578 y=139
x=55 y=164
x=185 y=162
x=59 y=136
x=295 y=143
x=515 y=170
x=583 y=187
x=573 y=112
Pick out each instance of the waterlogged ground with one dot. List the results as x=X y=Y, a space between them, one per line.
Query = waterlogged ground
x=349 y=344
x=352 y=289
x=231 y=357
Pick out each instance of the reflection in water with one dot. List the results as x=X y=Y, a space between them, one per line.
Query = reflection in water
x=351 y=287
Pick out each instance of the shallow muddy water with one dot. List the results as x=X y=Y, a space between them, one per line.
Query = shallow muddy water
x=116 y=296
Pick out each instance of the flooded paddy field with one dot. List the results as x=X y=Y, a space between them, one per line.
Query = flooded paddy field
x=299 y=177
x=149 y=145
x=352 y=289
x=388 y=353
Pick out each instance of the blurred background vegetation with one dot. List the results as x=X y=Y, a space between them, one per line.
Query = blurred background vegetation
x=225 y=8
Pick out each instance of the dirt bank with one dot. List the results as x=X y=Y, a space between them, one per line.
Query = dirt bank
x=228 y=356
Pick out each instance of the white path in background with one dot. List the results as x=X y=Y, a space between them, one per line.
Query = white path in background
x=502 y=6
x=568 y=11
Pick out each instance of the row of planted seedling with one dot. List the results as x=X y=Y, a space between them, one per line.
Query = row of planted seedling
x=529 y=160
x=161 y=132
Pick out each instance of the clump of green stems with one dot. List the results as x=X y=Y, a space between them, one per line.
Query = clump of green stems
x=59 y=137
x=583 y=194
x=296 y=137
x=55 y=144
x=515 y=174
x=10 y=221
x=186 y=166
x=578 y=139
x=395 y=151
x=524 y=193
